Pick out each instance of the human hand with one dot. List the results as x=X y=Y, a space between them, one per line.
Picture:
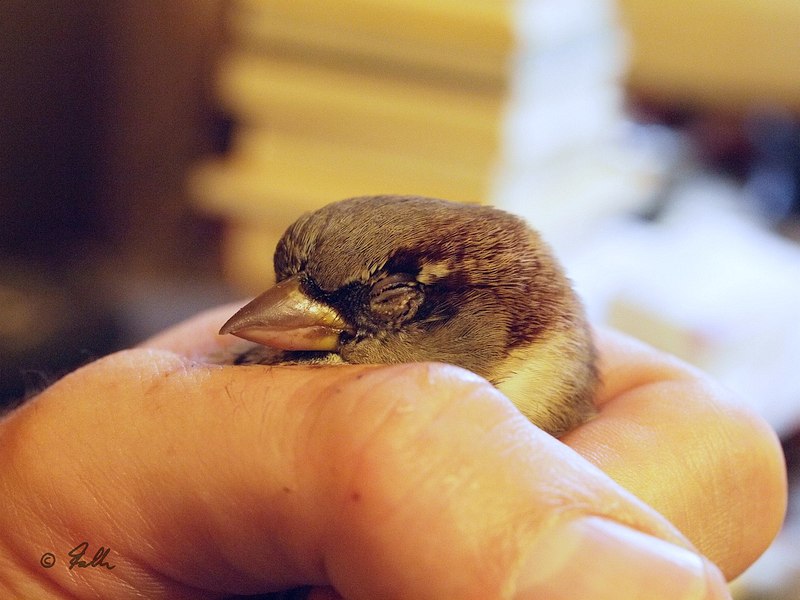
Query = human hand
x=411 y=481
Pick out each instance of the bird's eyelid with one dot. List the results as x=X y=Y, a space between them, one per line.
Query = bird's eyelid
x=396 y=298
x=394 y=279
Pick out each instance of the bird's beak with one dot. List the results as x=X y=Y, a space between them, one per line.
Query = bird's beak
x=284 y=317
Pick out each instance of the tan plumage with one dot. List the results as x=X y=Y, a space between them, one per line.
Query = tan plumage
x=391 y=279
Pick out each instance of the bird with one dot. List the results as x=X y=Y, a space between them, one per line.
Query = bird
x=399 y=279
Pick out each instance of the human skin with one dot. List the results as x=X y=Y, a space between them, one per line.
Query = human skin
x=409 y=481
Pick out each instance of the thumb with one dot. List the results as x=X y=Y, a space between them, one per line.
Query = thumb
x=414 y=481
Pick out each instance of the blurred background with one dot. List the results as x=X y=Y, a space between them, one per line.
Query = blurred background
x=151 y=154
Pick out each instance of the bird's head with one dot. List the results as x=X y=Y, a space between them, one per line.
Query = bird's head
x=391 y=279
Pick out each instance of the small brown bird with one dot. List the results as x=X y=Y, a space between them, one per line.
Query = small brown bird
x=397 y=279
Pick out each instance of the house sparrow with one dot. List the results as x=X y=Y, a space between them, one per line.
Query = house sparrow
x=395 y=279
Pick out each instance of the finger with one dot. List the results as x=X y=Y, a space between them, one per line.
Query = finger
x=690 y=434
x=665 y=432
x=677 y=441
x=242 y=480
x=197 y=337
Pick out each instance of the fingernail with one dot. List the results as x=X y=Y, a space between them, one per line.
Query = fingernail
x=596 y=558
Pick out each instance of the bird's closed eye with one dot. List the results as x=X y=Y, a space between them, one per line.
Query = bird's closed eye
x=395 y=298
